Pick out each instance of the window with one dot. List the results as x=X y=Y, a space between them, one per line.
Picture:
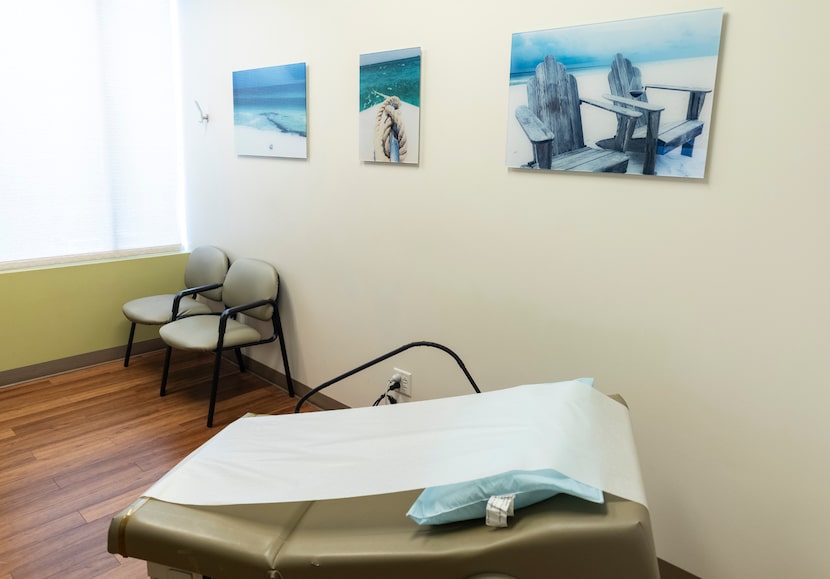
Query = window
x=89 y=131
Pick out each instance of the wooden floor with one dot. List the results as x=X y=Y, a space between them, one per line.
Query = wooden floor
x=78 y=447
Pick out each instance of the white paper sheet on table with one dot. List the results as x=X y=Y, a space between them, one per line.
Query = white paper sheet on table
x=567 y=426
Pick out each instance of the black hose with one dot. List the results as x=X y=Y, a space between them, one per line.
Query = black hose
x=379 y=359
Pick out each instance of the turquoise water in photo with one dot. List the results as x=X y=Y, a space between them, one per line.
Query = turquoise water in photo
x=281 y=108
x=400 y=78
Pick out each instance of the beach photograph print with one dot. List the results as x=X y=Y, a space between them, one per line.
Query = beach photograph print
x=630 y=96
x=390 y=106
x=269 y=111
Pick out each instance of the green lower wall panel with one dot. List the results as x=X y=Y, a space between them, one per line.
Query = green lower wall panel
x=58 y=312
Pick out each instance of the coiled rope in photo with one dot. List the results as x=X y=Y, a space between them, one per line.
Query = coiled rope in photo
x=390 y=134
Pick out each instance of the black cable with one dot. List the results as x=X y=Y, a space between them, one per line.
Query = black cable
x=379 y=359
x=394 y=384
x=382 y=396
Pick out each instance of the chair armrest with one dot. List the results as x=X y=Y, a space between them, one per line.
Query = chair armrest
x=627 y=119
x=229 y=312
x=190 y=291
x=612 y=108
x=198 y=289
x=680 y=88
x=533 y=127
x=696 y=98
x=640 y=105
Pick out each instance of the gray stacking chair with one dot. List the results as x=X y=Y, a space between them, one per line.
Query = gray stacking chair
x=251 y=288
x=204 y=275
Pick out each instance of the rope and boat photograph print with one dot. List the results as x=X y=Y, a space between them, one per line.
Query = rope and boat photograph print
x=390 y=106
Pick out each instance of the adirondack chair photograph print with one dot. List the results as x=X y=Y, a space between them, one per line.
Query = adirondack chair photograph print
x=630 y=96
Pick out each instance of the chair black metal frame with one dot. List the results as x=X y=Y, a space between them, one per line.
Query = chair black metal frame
x=224 y=316
x=176 y=300
x=193 y=290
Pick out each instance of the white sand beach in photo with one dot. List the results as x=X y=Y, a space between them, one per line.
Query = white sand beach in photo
x=267 y=143
x=411 y=116
x=598 y=124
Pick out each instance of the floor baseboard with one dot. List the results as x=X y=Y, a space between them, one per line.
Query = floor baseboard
x=270 y=375
x=45 y=369
x=53 y=367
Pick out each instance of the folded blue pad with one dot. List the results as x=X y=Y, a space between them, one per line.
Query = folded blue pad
x=468 y=500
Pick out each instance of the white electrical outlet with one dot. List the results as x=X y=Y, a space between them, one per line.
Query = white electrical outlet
x=406 y=382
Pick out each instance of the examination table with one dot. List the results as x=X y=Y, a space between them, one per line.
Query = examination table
x=370 y=537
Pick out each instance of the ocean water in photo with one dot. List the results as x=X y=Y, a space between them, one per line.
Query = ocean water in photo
x=400 y=78
x=280 y=107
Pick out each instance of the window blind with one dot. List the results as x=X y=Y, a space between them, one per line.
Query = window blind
x=89 y=131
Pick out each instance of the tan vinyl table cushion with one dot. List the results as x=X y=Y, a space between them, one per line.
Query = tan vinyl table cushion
x=371 y=538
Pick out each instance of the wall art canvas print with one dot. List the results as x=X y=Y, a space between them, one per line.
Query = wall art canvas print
x=631 y=96
x=390 y=106
x=269 y=111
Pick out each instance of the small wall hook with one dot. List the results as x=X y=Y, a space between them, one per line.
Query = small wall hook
x=203 y=117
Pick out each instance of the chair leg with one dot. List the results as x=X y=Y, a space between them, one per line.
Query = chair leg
x=167 y=356
x=688 y=148
x=214 y=387
x=239 y=359
x=288 y=379
x=129 y=345
x=650 y=160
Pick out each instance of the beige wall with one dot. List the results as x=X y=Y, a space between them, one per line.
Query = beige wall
x=703 y=302
x=59 y=312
